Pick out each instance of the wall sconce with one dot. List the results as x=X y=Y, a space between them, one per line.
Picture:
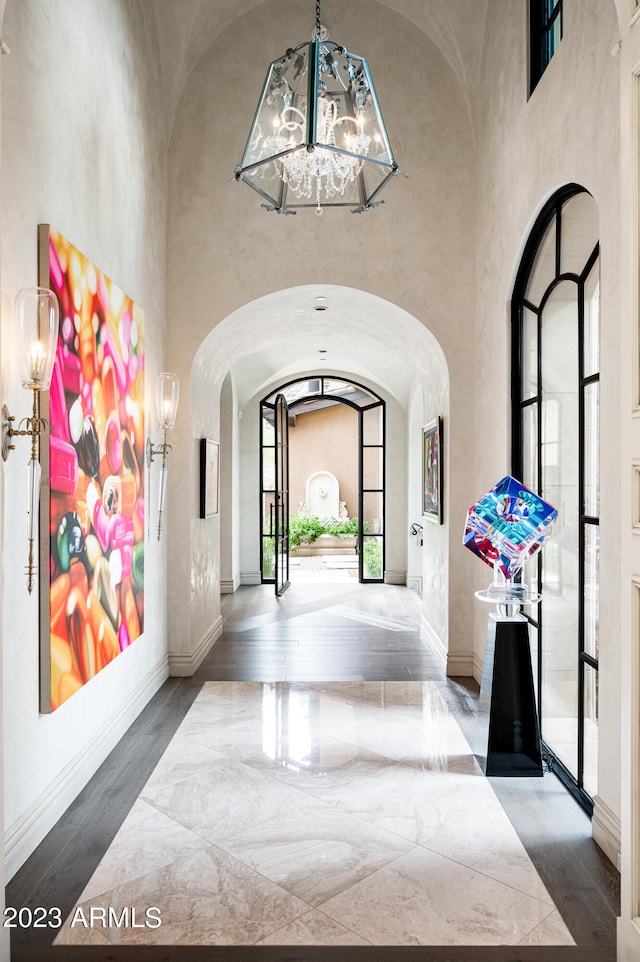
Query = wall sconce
x=167 y=396
x=35 y=310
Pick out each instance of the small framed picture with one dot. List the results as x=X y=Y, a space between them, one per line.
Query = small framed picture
x=209 y=477
x=432 y=470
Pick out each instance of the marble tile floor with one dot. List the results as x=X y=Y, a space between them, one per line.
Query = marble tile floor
x=301 y=814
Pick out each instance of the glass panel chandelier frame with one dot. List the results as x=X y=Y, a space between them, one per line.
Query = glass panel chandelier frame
x=527 y=394
x=318 y=138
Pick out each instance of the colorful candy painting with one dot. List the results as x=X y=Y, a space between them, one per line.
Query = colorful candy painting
x=96 y=451
x=508 y=526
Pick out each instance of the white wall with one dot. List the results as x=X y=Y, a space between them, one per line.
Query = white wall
x=567 y=132
x=629 y=550
x=83 y=148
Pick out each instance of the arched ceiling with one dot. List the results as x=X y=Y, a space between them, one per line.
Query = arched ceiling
x=282 y=335
x=186 y=29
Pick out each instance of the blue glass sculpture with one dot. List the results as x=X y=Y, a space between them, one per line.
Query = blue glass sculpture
x=508 y=526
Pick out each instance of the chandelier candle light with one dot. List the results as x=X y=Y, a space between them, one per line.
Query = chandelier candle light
x=318 y=138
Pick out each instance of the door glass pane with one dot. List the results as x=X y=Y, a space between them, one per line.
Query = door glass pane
x=372 y=509
x=544 y=266
x=268 y=558
x=560 y=604
x=579 y=234
x=530 y=578
x=590 y=777
x=591 y=450
x=372 y=468
x=372 y=558
x=592 y=321
x=591 y=575
x=529 y=354
x=372 y=426
x=268 y=426
x=530 y=446
x=559 y=684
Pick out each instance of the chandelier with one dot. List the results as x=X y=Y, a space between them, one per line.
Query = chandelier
x=318 y=138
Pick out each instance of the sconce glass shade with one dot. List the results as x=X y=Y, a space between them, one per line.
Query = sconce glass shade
x=36 y=312
x=167 y=396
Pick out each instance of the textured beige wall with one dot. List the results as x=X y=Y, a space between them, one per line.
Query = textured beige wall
x=325 y=440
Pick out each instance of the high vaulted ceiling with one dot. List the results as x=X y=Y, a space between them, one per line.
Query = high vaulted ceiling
x=188 y=27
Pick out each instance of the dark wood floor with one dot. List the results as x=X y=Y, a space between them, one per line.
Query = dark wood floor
x=305 y=642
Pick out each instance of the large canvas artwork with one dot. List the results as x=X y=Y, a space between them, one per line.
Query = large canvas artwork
x=93 y=599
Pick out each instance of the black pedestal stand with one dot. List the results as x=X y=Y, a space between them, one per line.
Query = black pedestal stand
x=507 y=733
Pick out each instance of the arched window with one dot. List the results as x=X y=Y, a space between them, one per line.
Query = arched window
x=556 y=361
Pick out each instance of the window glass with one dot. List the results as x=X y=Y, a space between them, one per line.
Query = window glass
x=579 y=234
x=529 y=354
x=545 y=34
x=544 y=266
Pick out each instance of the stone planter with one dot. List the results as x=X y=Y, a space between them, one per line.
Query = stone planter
x=327 y=544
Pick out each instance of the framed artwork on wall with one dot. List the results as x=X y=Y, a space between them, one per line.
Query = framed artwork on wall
x=209 y=477
x=93 y=475
x=432 y=470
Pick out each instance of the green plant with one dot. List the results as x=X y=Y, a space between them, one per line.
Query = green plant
x=342 y=527
x=268 y=557
x=306 y=528
x=372 y=558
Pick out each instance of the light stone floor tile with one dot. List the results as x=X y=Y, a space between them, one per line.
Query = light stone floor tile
x=220 y=802
x=182 y=757
x=204 y=899
x=317 y=856
x=551 y=931
x=147 y=840
x=349 y=813
x=426 y=899
x=83 y=933
x=314 y=928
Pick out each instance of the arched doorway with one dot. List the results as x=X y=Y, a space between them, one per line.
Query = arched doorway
x=322 y=390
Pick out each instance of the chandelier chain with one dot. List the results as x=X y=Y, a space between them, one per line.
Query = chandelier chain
x=317 y=20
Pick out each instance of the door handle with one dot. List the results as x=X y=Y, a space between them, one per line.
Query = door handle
x=271 y=506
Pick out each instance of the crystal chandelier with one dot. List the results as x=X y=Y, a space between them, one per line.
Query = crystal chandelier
x=318 y=138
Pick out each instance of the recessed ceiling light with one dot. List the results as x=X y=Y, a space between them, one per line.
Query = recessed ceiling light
x=321 y=304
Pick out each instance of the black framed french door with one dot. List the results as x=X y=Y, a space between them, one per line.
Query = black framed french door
x=281 y=494
x=307 y=392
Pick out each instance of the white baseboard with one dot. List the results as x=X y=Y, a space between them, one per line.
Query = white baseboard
x=250 y=578
x=183 y=664
x=395 y=577
x=23 y=837
x=434 y=642
x=229 y=586
x=606 y=831
x=460 y=663
x=415 y=584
